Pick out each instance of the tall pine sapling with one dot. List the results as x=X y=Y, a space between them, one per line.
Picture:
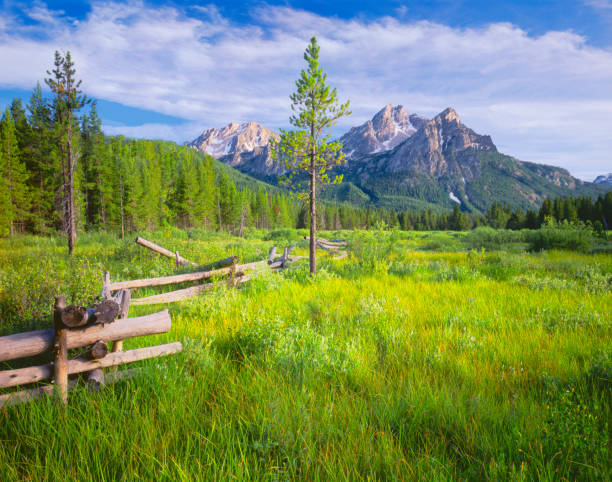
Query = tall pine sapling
x=307 y=150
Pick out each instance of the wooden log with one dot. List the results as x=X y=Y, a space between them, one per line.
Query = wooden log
x=183 y=294
x=222 y=263
x=105 y=312
x=342 y=255
x=60 y=363
x=164 y=251
x=23 y=376
x=182 y=278
x=272 y=255
x=34 y=343
x=73 y=316
x=28 y=395
x=98 y=350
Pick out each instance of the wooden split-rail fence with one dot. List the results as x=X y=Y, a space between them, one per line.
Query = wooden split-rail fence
x=90 y=329
x=227 y=269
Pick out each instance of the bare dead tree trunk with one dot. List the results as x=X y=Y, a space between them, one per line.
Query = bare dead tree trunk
x=71 y=222
x=313 y=207
x=121 y=200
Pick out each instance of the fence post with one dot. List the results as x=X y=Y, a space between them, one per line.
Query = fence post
x=60 y=364
x=124 y=308
x=106 y=294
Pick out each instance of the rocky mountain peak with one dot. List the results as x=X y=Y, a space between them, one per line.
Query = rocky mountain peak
x=234 y=139
x=388 y=128
x=449 y=115
x=604 y=179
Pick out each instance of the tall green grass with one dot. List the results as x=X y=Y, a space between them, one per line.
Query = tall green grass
x=397 y=362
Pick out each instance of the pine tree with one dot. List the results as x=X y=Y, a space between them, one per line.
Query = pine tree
x=15 y=200
x=42 y=165
x=307 y=150
x=68 y=100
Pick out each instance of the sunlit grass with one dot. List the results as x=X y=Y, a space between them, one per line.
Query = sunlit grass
x=394 y=363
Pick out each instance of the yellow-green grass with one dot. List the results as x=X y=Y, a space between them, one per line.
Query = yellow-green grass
x=394 y=363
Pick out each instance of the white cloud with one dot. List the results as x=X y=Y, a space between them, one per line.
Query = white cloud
x=542 y=98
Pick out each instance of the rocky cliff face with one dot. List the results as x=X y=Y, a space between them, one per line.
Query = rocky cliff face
x=389 y=127
x=604 y=179
x=242 y=146
x=433 y=148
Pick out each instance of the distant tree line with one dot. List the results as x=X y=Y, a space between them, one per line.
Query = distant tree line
x=126 y=185
x=597 y=213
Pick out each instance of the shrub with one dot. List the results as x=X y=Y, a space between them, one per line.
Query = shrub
x=552 y=235
x=492 y=239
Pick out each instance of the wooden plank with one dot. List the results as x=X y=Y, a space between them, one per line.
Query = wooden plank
x=23 y=376
x=34 y=343
x=183 y=294
x=182 y=278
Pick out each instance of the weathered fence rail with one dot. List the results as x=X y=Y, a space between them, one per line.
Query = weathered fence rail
x=100 y=328
x=229 y=268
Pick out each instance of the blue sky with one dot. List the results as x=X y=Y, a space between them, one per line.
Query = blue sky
x=537 y=76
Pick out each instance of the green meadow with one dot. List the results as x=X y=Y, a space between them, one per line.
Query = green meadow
x=420 y=356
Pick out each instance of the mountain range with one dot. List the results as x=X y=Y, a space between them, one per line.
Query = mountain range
x=400 y=160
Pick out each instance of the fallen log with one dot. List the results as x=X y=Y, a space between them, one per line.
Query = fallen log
x=164 y=251
x=24 y=396
x=182 y=278
x=183 y=294
x=34 y=343
x=23 y=376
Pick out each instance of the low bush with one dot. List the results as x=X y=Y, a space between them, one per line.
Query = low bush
x=572 y=236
